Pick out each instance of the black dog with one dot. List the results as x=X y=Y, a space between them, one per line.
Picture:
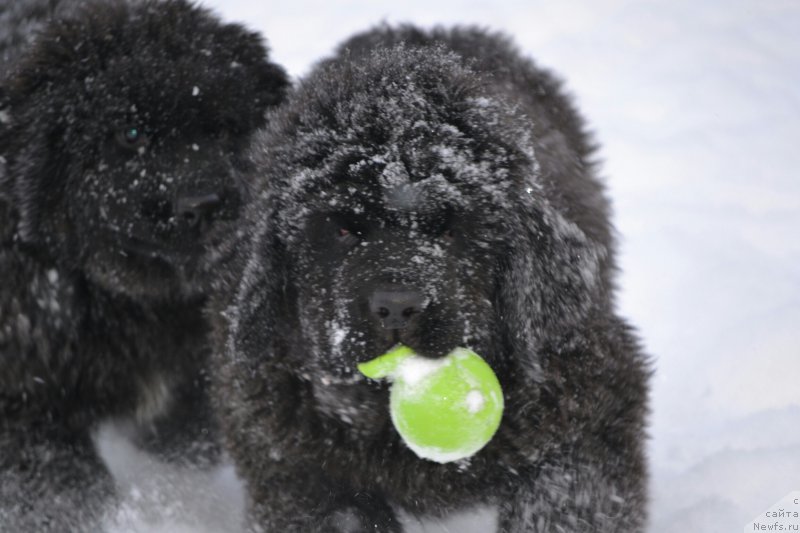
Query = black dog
x=122 y=127
x=437 y=193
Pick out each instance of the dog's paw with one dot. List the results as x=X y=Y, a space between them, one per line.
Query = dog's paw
x=345 y=521
x=361 y=519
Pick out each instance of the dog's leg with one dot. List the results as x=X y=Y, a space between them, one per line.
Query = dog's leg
x=51 y=481
x=186 y=432
x=574 y=497
x=301 y=501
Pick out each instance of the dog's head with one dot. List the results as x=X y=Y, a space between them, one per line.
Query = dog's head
x=126 y=122
x=404 y=206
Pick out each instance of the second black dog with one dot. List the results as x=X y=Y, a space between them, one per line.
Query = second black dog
x=434 y=189
x=122 y=126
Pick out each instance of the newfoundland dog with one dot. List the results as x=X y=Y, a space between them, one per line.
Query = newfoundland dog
x=436 y=190
x=120 y=132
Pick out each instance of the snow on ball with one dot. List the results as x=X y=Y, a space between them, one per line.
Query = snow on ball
x=444 y=409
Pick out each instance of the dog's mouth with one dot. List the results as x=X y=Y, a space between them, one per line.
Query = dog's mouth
x=156 y=251
x=395 y=337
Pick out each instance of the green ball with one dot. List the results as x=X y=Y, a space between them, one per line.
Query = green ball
x=444 y=409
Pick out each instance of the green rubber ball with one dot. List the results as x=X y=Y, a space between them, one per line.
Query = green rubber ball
x=444 y=409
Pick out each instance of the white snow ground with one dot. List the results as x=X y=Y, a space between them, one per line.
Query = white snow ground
x=697 y=107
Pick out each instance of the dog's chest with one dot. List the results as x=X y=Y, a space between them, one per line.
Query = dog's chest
x=153 y=398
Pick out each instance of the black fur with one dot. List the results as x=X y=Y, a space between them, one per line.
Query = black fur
x=123 y=123
x=454 y=168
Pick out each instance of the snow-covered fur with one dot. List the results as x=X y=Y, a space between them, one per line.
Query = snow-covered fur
x=122 y=128
x=448 y=171
x=19 y=22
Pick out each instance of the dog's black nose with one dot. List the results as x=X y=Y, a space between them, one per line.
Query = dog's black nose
x=394 y=308
x=193 y=209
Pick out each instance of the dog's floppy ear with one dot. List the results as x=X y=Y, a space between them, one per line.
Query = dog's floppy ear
x=38 y=182
x=35 y=167
x=261 y=306
x=550 y=282
x=252 y=332
x=7 y=217
x=5 y=117
x=270 y=84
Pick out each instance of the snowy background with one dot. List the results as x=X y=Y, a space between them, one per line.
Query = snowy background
x=697 y=107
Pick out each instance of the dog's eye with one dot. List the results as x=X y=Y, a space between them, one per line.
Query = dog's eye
x=132 y=137
x=348 y=237
x=345 y=229
x=345 y=233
